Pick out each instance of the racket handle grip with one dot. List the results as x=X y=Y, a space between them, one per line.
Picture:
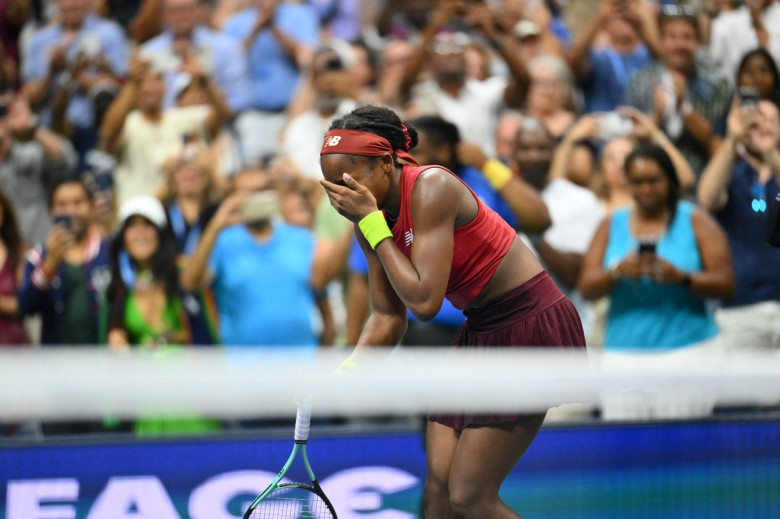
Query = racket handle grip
x=302 y=423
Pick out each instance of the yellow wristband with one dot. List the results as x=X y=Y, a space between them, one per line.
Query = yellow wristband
x=374 y=228
x=497 y=173
x=347 y=367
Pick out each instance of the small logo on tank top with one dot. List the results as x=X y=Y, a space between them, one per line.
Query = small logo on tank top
x=408 y=237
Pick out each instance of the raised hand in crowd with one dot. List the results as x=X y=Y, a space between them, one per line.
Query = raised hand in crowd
x=523 y=200
x=61 y=240
x=645 y=128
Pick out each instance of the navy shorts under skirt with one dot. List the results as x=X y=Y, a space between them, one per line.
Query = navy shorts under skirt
x=535 y=314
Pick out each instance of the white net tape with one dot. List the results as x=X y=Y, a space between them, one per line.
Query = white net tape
x=92 y=383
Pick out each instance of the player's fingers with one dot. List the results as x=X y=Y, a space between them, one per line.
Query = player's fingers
x=352 y=183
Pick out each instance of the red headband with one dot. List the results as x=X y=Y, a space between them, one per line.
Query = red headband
x=365 y=144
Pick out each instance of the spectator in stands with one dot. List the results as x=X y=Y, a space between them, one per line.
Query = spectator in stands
x=738 y=186
x=506 y=136
x=342 y=19
x=689 y=100
x=100 y=96
x=394 y=60
x=610 y=184
x=33 y=159
x=65 y=280
x=517 y=202
x=332 y=93
x=143 y=134
x=473 y=106
x=362 y=68
x=631 y=42
x=186 y=42
x=755 y=23
x=574 y=211
x=191 y=195
x=758 y=70
x=550 y=94
x=660 y=261
x=273 y=305
x=13 y=15
x=79 y=51
x=613 y=129
x=534 y=27
x=278 y=37
x=12 y=332
x=146 y=306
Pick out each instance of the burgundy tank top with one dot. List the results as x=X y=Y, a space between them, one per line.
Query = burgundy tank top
x=479 y=245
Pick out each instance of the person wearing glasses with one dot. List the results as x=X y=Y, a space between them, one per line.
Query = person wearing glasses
x=687 y=98
x=739 y=186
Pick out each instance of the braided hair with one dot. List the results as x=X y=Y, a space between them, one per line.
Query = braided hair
x=379 y=121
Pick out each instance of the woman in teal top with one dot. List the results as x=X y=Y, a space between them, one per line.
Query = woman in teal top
x=659 y=260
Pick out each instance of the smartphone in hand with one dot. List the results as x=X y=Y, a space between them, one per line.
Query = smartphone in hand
x=65 y=221
x=647 y=247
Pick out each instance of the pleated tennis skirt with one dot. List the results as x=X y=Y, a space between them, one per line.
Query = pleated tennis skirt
x=536 y=314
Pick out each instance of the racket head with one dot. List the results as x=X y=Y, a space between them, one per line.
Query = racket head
x=293 y=501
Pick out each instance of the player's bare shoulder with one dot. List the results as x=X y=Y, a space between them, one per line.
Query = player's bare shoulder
x=438 y=182
x=442 y=193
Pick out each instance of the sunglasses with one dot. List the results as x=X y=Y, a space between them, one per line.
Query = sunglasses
x=670 y=10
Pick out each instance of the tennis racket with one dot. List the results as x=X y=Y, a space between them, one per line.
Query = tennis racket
x=293 y=500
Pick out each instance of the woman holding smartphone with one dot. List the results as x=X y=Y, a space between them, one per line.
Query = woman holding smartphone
x=659 y=260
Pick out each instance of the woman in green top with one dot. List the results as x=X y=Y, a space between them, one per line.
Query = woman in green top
x=144 y=300
x=146 y=307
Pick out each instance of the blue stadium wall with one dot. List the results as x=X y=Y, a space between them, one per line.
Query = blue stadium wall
x=672 y=470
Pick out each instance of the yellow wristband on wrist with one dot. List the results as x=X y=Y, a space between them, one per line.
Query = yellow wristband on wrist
x=374 y=228
x=346 y=367
x=497 y=173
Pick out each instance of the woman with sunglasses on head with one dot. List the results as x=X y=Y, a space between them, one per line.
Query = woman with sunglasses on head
x=426 y=236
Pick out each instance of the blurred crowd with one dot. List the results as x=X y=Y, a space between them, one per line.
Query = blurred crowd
x=159 y=162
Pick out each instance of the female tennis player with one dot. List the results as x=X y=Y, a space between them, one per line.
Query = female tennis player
x=426 y=236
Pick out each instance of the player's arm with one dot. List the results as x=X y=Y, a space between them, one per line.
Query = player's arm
x=386 y=323
x=421 y=281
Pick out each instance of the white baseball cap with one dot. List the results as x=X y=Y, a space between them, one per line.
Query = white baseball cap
x=525 y=28
x=144 y=205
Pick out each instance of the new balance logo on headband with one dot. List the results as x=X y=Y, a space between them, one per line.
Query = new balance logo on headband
x=333 y=140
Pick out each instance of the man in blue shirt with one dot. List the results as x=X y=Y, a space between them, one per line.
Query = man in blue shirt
x=79 y=35
x=266 y=276
x=606 y=72
x=276 y=35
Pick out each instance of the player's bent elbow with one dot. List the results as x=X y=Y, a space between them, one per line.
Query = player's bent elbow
x=426 y=311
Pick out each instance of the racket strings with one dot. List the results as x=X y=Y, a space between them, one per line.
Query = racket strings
x=292 y=502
